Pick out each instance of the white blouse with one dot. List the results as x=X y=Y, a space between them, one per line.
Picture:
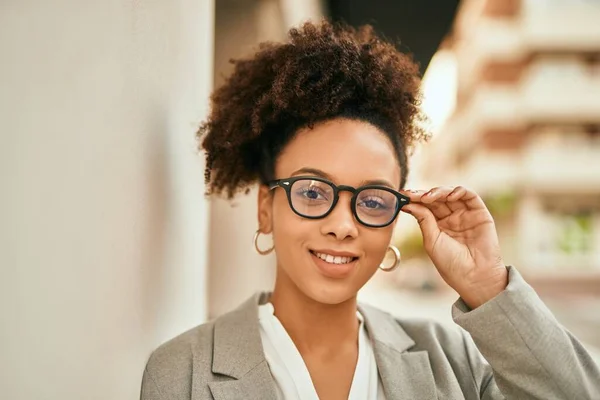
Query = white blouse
x=291 y=374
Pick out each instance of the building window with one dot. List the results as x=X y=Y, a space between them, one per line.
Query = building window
x=592 y=64
x=592 y=133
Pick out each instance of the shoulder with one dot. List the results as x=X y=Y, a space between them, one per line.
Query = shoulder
x=179 y=350
x=169 y=368
x=450 y=347
x=446 y=343
x=422 y=332
x=432 y=333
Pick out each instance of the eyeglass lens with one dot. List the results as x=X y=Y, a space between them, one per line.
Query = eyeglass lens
x=313 y=198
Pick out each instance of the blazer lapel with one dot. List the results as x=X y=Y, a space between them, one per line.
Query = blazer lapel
x=405 y=375
x=240 y=361
x=256 y=384
x=238 y=354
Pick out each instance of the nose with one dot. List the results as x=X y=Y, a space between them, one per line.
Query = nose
x=341 y=223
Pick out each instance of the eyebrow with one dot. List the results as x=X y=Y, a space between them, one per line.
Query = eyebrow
x=323 y=174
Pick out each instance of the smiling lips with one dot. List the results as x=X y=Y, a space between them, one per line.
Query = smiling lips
x=333 y=264
x=334 y=259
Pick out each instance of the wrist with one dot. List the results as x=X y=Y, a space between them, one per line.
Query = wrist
x=477 y=294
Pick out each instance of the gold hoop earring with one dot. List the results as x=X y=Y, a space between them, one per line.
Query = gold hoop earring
x=259 y=251
x=397 y=259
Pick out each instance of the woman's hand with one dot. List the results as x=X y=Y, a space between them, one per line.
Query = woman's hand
x=460 y=237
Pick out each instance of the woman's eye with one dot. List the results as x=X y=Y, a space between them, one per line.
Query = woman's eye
x=311 y=194
x=372 y=204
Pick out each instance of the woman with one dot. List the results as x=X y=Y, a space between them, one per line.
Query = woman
x=324 y=124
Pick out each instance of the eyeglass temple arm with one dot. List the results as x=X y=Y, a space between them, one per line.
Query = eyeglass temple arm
x=273 y=184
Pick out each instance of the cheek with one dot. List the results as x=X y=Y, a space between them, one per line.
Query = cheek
x=375 y=244
x=281 y=209
x=288 y=227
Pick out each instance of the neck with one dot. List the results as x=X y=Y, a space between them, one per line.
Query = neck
x=313 y=325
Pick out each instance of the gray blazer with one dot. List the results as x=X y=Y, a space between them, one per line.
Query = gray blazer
x=530 y=355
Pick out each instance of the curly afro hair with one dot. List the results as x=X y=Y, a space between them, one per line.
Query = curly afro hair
x=325 y=71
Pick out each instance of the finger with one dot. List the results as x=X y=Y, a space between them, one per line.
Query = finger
x=452 y=200
x=439 y=209
x=436 y=201
x=429 y=198
x=471 y=199
x=457 y=193
x=413 y=195
x=437 y=194
x=456 y=205
x=426 y=220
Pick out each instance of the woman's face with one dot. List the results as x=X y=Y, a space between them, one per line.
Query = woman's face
x=346 y=152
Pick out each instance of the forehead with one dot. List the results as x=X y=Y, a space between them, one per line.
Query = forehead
x=349 y=151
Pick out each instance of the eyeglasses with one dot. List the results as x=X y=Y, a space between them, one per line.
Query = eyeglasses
x=314 y=198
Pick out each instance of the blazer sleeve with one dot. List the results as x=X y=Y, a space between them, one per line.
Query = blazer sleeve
x=530 y=355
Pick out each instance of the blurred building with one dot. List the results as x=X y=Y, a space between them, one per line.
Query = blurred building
x=514 y=101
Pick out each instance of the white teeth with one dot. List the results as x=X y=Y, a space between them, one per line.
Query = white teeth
x=334 y=259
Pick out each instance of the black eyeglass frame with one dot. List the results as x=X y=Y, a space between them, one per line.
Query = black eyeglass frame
x=287 y=184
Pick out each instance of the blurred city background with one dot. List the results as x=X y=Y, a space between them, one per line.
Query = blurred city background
x=108 y=246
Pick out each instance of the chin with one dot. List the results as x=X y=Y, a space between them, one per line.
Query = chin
x=327 y=292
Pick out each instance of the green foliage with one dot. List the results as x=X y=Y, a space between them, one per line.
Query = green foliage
x=576 y=234
x=501 y=204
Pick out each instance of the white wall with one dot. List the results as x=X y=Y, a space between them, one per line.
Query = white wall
x=103 y=224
